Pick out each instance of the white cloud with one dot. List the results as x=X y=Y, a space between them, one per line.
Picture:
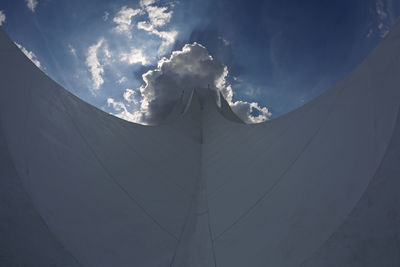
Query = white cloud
x=146 y=26
x=122 y=111
x=370 y=33
x=72 y=50
x=2 y=17
x=31 y=4
x=95 y=67
x=383 y=9
x=144 y=3
x=158 y=16
x=168 y=40
x=135 y=56
x=118 y=106
x=123 y=19
x=122 y=80
x=30 y=55
x=249 y=112
x=192 y=67
x=130 y=96
x=380 y=9
x=226 y=42
x=106 y=15
x=106 y=51
x=245 y=111
x=168 y=37
x=251 y=91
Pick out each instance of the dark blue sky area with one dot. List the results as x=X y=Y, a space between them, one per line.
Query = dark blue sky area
x=290 y=51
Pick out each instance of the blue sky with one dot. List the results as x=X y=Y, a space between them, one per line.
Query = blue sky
x=133 y=58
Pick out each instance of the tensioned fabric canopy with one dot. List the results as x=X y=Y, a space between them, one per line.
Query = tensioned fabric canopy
x=318 y=186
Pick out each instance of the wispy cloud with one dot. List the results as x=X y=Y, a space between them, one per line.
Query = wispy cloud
x=153 y=20
x=168 y=37
x=144 y=3
x=30 y=55
x=135 y=56
x=122 y=80
x=72 y=50
x=385 y=18
x=106 y=15
x=158 y=17
x=384 y=11
x=252 y=91
x=123 y=19
x=2 y=17
x=224 y=41
x=31 y=4
x=96 y=69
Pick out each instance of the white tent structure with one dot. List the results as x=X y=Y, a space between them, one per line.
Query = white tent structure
x=319 y=186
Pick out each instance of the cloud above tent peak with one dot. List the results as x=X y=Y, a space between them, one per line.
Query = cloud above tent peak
x=186 y=69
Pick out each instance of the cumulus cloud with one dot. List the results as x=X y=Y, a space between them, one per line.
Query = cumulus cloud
x=135 y=56
x=31 y=4
x=2 y=17
x=30 y=55
x=249 y=112
x=123 y=19
x=192 y=67
x=96 y=68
